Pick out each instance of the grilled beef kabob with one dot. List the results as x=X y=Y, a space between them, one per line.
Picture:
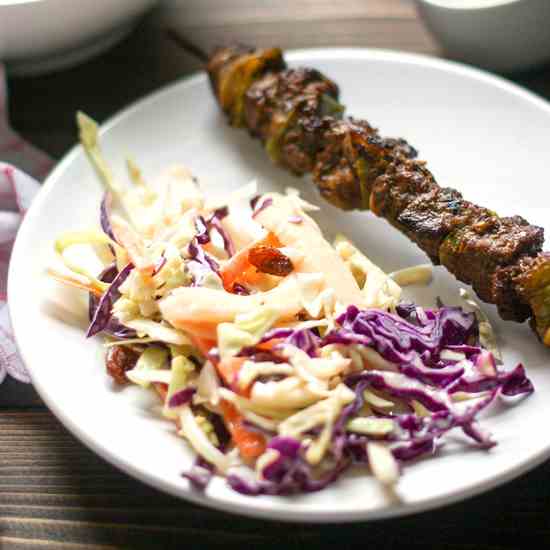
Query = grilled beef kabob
x=296 y=114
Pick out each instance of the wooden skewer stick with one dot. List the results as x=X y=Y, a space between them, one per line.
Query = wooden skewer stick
x=187 y=45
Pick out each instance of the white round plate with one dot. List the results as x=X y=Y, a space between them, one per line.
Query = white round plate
x=481 y=135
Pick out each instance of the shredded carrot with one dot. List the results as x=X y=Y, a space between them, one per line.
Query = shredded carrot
x=229 y=369
x=200 y=330
x=251 y=444
x=204 y=345
x=239 y=270
x=252 y=276
x=133 y=243
x=162 y=390
x=71 y=281
x=233 y=270
x=270 y=344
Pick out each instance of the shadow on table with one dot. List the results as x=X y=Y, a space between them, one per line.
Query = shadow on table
x=16 y=395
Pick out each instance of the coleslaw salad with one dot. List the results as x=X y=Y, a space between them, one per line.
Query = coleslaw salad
x=282 y=359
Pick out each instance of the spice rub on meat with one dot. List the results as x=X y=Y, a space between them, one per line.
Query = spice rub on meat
x=296 y=113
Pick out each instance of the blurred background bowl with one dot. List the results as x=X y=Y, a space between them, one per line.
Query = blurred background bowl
x=501 y=35
x=38 y=36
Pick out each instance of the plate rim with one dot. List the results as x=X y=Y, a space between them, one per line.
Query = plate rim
x=189 y=494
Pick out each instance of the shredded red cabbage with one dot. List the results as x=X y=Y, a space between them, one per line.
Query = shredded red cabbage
x=289 y=473
x=227 y=242
x=304 y=339
x=259 y=205
x=181 y=397
x=221 y=213
x=201 y=263
x=511 y=383
x=412 y=343
x=202 y=235
x=213 y=223
x=200 y=474
x=254 y=201
x=240 y=289
x=199 y=255
x=105 y=215
x=411 y=347
x=99 y=310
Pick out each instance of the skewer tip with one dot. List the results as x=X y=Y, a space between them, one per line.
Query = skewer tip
x=186 y=45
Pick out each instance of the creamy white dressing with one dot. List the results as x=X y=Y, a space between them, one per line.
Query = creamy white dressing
x=416 y=275
x=402 y=382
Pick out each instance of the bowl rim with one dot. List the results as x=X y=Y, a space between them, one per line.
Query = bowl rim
x=468 y=5
x=11 y=3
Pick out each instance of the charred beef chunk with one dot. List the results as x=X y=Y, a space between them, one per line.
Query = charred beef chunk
x=285 y=110
x=377 y=155
x=503 y=292
x=351 y=157
x=335 y=171
x=299 y=141
x=233 y=70
x=220 y=63
x=300 y=144
x=404 y=181
x=533 y=286
x=473 y=252
x=260 y=101
x=432 y=216
x=399 y=146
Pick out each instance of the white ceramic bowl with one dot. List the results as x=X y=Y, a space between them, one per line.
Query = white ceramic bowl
x=502 y=35
x=37 y=36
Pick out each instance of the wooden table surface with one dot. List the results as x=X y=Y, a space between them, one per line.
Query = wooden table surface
x=54 y=492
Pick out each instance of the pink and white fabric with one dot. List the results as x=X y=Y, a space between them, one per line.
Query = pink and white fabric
x=17 y=189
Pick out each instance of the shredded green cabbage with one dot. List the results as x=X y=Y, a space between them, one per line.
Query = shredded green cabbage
x=487 y=334
x=181 y=369
x=82 y=237
x=371 y=425
x=158 y=331
x=247 y=330
x=89 y=138
x=382 y=463
x=321 y=414
x=379 y=289
x=150 y=367
x=192 y=431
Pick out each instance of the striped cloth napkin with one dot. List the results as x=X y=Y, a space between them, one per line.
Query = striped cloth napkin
x=21 y=167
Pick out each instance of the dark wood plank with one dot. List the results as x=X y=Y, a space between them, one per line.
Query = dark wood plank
x=54 y=489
